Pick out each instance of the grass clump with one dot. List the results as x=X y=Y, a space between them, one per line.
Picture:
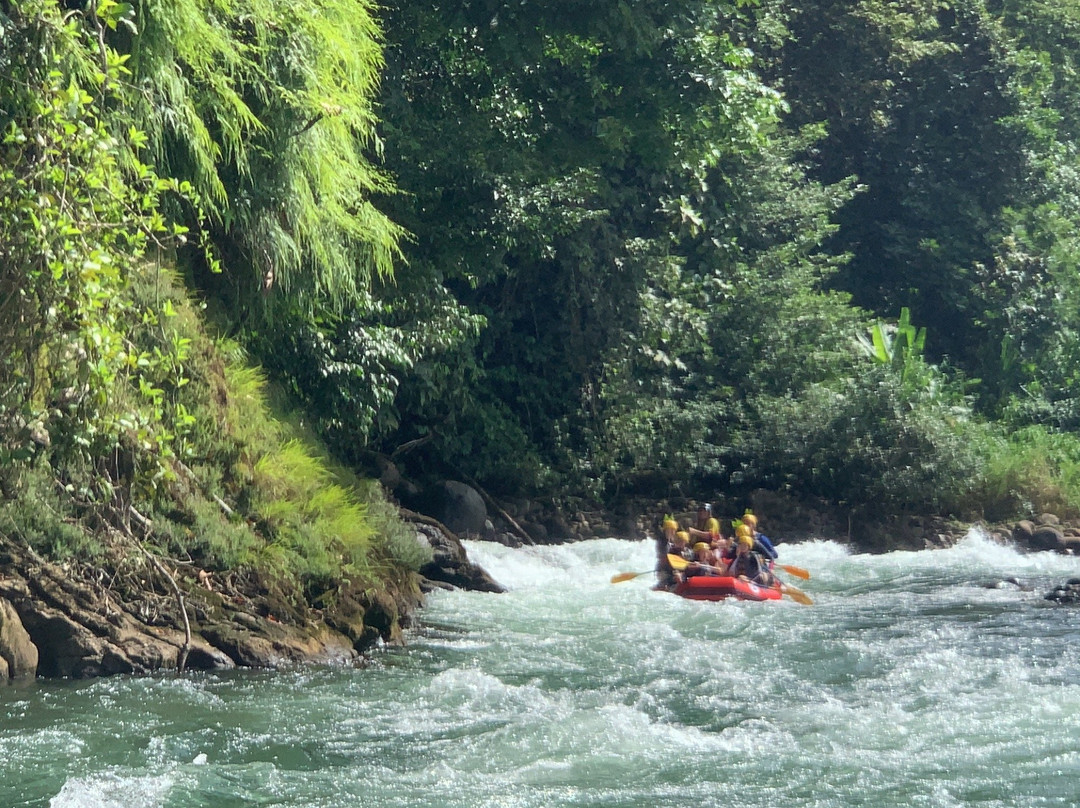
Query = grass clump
x=1033 y=470
x=45 y=519
x=228 y=476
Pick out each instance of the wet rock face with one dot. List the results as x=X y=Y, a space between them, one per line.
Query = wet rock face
x=18 y=654
x=450 y=563
x=53 y=625
x=78 y=632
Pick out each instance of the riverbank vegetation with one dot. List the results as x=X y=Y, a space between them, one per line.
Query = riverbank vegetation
x=129 y=418
x=582 y=254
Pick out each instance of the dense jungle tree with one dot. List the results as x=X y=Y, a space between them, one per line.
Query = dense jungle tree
x=952 y=117
x=549 y=154
x=620 y=251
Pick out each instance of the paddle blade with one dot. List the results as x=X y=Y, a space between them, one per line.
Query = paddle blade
x=798 y=572
x=677 y=562
x=796 y=595
x=625 y=576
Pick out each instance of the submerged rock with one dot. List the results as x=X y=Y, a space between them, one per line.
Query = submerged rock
x=1067 y=593
x=1009 y=583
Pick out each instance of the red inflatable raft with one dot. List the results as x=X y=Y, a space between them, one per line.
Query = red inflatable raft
x=710 y=587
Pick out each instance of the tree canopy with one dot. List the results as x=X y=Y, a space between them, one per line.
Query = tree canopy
x=583 y=251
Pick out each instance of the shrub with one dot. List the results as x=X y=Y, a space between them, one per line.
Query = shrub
x=870 y=443
x=1035 y=470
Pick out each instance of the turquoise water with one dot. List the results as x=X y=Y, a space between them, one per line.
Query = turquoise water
x=909 y=682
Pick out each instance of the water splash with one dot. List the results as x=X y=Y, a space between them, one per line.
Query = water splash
x=912 y=681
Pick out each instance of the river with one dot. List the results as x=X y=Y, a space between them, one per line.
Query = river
x=910 y=682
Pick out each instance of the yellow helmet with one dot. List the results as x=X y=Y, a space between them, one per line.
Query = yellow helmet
x=749 y=519
x=669 y=522
x=746 y=541
x=743 y=530
x=682 y=534
x=701 y=546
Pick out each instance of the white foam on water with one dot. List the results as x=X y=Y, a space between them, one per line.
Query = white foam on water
x=910 y=682
x=113 y=791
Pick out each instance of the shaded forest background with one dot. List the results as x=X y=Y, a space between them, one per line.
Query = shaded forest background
x=579 y=253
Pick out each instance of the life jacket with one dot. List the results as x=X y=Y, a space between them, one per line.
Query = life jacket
x=763 y=545
x=749 y=565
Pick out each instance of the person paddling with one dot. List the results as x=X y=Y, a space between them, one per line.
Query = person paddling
x=665 y=543
x=708 y=526
x=762 y=543
x=705 y=563
x=748 y=565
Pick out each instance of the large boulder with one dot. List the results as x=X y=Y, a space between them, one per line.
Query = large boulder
x=450 y=563
x=17 y=650
x=1023 y=531
x=1048 y=537
x=460 y=507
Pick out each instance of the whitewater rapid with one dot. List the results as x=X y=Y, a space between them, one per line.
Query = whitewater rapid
x=916 y=679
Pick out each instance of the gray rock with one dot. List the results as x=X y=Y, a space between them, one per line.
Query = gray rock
x=450 y=563
x=460 y=507
x=537 y=532
x=1023 y=531
x=1047 y=537
x=17 y=650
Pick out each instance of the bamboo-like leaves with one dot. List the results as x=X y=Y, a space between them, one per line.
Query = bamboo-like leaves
x=267 y=109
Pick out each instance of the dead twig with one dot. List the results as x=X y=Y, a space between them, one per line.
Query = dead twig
x=181 y=660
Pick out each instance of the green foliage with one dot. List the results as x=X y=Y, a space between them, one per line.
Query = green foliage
x=900 y=346
x=549 y=152
x=78 y=210
x=265 y=107
x=317 y=527
x=44 y=518
x=721 y=328
x=924 y=104
x=631 y=266
x=873 y=445
x=397 y=539
x=1034 y=471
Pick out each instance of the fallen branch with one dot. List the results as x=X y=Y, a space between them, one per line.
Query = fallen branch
x=522 y=534
x=195 y=481
x=147 y=525
x=409 y=445
x=424 y=519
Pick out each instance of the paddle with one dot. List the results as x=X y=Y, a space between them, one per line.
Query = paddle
x=798 y=572
x=626 y=576
x=797 y=595
x=679 y=563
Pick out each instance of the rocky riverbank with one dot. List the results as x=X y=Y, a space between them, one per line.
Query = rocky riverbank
x=72 y=620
